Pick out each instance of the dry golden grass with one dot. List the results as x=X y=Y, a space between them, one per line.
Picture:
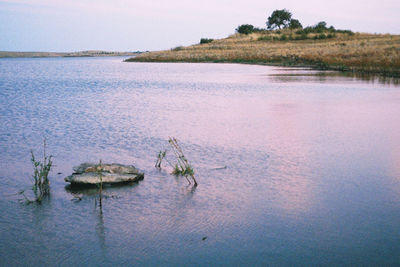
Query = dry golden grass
x=375 y=53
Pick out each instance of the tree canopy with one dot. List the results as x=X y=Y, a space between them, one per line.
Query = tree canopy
x=279 y=19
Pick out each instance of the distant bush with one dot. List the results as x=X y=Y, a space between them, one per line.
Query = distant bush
x=320 y=27
x=302 y=36
x=331 y=35
x=306 y=30
x=283 y=37
x=206 y=40
x=348 y=32
x=260 y=30
x=178 y=48
x=245 y=29
x=320 y=36
x=264 y=38
x=295 y=24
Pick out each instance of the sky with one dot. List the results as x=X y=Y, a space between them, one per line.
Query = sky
x=123 y=25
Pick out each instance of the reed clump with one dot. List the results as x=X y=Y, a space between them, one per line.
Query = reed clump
x=336 y=50
x=41 y=170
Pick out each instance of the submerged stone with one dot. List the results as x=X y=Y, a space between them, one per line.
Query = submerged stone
x=90 y=174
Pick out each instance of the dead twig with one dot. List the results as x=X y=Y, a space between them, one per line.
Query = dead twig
x=182 y=165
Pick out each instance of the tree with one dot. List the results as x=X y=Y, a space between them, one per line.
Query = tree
x=245 y=29
x=279 y=18
x=295 y=24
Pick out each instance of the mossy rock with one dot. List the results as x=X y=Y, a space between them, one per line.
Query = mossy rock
x=93 y=174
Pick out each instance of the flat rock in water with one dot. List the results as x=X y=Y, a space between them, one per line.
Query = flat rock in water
x=90 y=174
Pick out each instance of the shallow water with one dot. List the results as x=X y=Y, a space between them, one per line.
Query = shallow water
x=312 y=162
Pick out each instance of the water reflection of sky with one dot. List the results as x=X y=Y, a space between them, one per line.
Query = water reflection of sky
x=311 y=162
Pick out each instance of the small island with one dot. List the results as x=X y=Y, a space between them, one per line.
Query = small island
x=286 y=43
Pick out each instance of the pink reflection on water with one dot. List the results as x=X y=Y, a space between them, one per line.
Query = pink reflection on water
x=300 y=125
x=287 y=137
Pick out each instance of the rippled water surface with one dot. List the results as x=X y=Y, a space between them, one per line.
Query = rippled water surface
x=312 y=162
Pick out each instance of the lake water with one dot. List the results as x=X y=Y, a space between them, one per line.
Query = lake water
x=312 y=162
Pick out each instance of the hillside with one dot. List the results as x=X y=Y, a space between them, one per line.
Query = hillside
x=345 y=51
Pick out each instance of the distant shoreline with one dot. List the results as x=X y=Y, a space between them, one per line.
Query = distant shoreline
x=91 y=53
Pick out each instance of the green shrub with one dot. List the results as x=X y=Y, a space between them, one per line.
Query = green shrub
x=301 y=35
x=348 y=32
x=259 y=30
x=320 y=27
x=283 y=37
x=264 y=38
x=320 y=36
x=245 y=29
x=295 y=24
x=206 y=40
x=306 y=30
x=178 y=48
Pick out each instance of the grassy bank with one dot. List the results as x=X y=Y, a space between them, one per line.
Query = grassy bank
x=345 y=51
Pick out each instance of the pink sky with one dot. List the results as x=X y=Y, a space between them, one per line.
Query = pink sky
x=121 y=25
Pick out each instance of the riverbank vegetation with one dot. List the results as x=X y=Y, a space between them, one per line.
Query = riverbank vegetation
x=285 y=42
